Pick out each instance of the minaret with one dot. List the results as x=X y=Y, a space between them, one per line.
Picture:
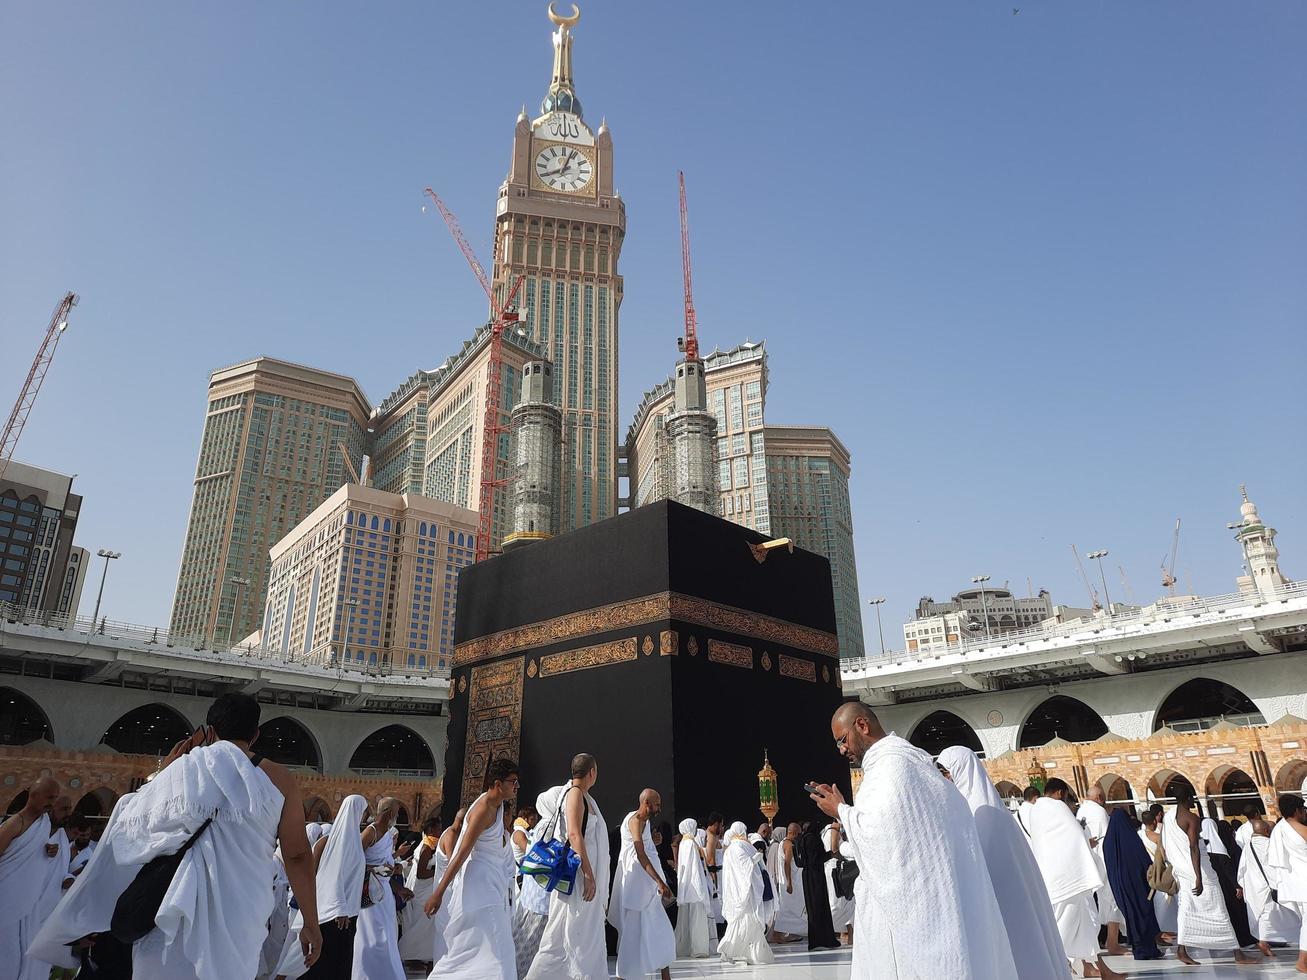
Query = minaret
x=691 y=429
x=692 y=434
x=1261 y=557
x=537 y=425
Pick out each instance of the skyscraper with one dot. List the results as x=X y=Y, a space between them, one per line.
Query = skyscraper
x=560 y=223
x=369 y=577
x=40 y=569
x=271 y=452
x=808 y=485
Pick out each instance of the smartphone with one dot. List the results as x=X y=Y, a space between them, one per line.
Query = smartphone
x=809 y=788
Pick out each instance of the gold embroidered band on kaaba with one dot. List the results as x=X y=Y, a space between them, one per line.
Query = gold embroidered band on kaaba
x=635 y=612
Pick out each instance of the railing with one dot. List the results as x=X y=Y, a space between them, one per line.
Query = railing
x=1163 y=611
x=190 y=646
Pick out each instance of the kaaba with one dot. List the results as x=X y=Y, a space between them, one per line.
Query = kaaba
x=664 y=642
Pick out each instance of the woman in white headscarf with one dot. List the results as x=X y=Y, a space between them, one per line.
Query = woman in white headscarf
x=340 y=895
x=1018 y=884
x=694 y=896
x=746 y=937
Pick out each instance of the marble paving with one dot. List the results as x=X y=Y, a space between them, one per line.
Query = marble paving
x=798 y=964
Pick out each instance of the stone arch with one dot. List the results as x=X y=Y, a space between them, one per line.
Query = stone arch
x=401 y=818
x=1231 y=788
x=316 y=810
x=1060 y=716
x=1117 y=789
x=286 y=740
x=97 y=803
x=1291 y=776
x=1008 y=790
x=393 y=749
x=940 y=729
x=1163 y=783
x=22 y=720
x=1201 y=702
x=151 y=729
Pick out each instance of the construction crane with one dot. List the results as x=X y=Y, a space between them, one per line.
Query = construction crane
x=1094 y=604
x=1125 y=584
x=689 y=344
x=35 y=376
x=491 y=426
x=1168 y=565
x=349 y=463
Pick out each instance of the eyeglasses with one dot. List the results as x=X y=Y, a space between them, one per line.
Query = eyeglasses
x=843 y=740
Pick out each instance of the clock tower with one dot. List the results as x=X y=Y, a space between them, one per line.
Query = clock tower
x=559 y=223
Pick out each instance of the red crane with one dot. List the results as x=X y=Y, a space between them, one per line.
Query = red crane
x=491 y=426
x=35 y=376
x=690 y=342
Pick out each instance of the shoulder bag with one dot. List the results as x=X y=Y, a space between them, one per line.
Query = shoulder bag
x=136 y=908
x=552 y=863
x=846 y=873
x=1274 y=893
x=1160 y=877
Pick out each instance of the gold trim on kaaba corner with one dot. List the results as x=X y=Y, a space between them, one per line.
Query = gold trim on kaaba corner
x=462 y=684
x=825 y=673
x=766 y=660
x=531 y=669
x=599 y=655
x=494 y=720
x=804 y=670
x=647 y=646
x=693 y=646
x=730 y=653
x=757 y=626
x=638 y=612
x=668 y=643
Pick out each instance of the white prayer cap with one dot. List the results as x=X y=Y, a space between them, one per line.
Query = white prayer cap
x=688 y=826
x=777 y=834
x=737 y=829
x=701 y=837
x=326 y=829
x=314 y=832
x=755 y=839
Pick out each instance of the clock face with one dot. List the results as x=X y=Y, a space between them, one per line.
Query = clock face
x=564 y=168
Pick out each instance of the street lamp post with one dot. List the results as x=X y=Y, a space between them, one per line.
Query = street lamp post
x=108 y=556
x=877 y=603
x=240 y=583
x=984 y=603
x=1100 y=555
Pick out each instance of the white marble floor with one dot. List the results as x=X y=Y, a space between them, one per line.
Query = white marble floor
x=798 y=964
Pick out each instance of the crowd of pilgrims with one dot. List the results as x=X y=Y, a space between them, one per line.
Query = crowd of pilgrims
x=926 y=873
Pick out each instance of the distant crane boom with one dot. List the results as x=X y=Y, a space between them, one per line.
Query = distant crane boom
x=1168 y=564
x=349 y=463
x=690 y=342
x=456 y=230
x=1093 y=594
x=35 y=377
x=491 y=426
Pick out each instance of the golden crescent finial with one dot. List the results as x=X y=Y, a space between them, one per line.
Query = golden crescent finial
x=562 y=21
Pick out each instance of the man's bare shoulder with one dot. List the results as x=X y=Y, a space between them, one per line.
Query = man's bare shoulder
x=281 y=777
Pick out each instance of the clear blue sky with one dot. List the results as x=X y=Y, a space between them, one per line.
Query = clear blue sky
x=1043 y=273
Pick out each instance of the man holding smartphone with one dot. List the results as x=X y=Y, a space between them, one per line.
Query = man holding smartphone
x=927 y=909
